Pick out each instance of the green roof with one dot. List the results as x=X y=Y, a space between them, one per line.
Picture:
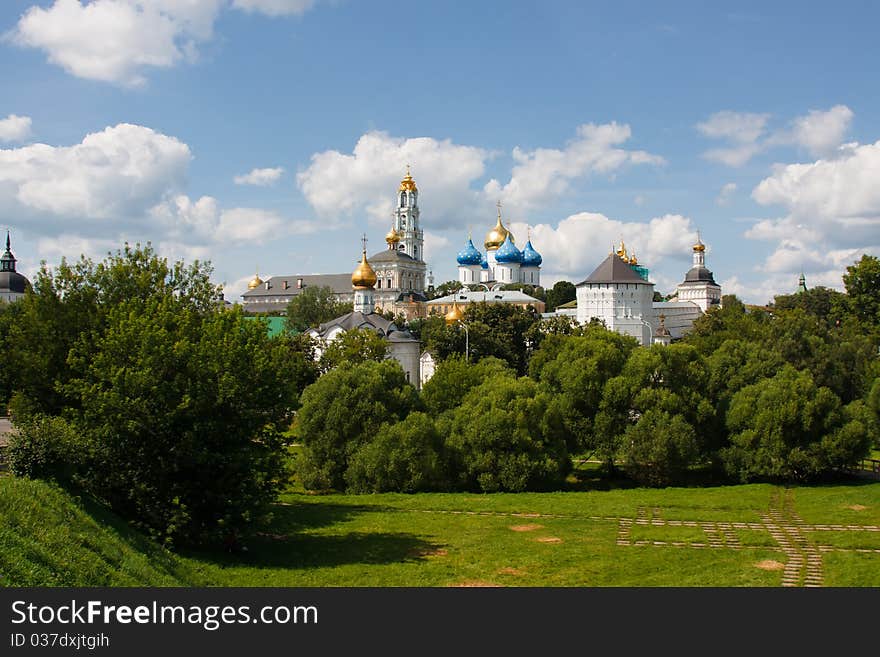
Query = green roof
x=276 y=324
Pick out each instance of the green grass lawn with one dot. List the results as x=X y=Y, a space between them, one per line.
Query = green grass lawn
x=618 y=537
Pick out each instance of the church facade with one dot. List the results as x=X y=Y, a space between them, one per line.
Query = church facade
x=402 y=345
x=401 y=272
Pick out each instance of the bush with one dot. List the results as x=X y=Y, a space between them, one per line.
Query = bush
x=44 y=447
x=659 y=448
x=405 y=457
x=342 y=411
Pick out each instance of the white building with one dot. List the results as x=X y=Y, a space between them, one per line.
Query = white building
x=619 y=294
x=619 y=297
x=402 y=345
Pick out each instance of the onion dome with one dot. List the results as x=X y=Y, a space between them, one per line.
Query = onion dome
x=363 y=277
x=392 y=238
x=699 y=247
x=495 y=237
x=408 y=184
x=508 y=253
x=530 y=257
x=633 y=260
x=455 y=314
x=621 y=252
x=255 y=282
x=469 y=254
x=11 y=280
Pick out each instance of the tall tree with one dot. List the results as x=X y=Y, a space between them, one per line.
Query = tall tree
x=314 y=306
x=176 y=404
x=354 y=346
x=561 y=292
x=342 y=411
x=862 y=281
x=789 y=429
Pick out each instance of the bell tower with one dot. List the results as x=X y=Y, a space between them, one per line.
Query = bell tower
x=406 y=219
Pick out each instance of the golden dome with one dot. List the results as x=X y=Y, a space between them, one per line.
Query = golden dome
x=408 y=184
x=455 y=314
x=633 y=260
x=621 y=252
x=393 y=237
x=699 y=247
x=496 y=236
x=363 y=277
x=256 y=282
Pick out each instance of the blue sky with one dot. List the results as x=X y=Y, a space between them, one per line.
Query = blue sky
x=269 y=134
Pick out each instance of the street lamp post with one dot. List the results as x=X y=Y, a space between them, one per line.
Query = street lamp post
x=454 y=316
x=466 y=341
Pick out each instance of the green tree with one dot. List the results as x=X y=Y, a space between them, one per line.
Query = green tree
x=535 y=291
x=342 y=411
x=576 y=369
x=446 y=288
x=314 y=306
x=561 y=292
x=733 y=321
x=173 y=405
x=827 y=305
x=454 y=378
x=862 y=281
x=72 y=303
x=405 y=457
x=505 y=437
x=659 y=447
x=354 y=346
x=669 y=380
x=181 y=414
x=441 y=340
x=787 y=428
x=500 y=330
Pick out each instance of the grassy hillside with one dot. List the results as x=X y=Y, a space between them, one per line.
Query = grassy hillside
x=48 y=538
x=755 y=535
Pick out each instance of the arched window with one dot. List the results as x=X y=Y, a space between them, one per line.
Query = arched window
x=403 y=199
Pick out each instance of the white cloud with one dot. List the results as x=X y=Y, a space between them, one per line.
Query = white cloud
x=822 y=132
x=204 y=221
x=124 y=183
x=434 y=243
x=15 y=128
x=725 y=194
x=741 y=129
x=833 y=212
x=339 y=185
x=115 y=40
x=260 y=177
x=275 y=7
x=118 y=40
x=110 y=176
x=582 y=241
x=544 y=173
x=819 y=132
